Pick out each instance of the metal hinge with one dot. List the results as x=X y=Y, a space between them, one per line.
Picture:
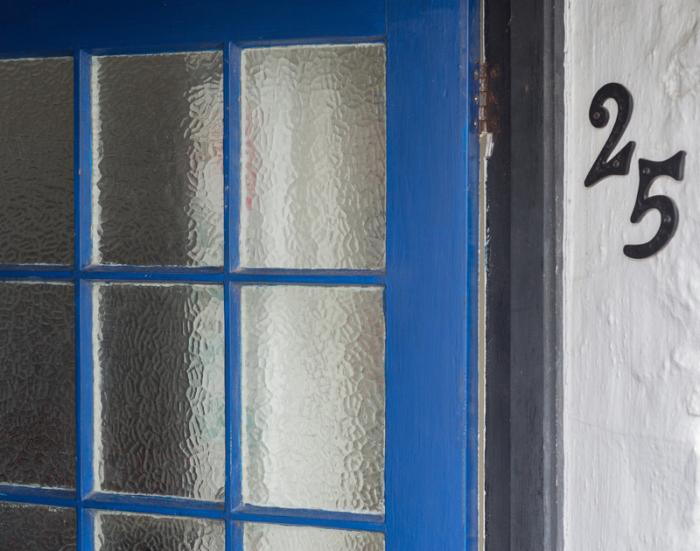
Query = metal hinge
x=488 y=120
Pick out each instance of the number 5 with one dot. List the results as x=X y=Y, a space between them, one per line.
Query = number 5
x=648 y=172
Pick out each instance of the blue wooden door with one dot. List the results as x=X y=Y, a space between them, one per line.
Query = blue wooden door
x=260 y=191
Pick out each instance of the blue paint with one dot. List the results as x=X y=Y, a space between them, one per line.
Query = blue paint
x=234 y=358
x=154 y=275
x=35 y=273
x=37 y=496
x=432 y=254
x=231 y=343
x=84 y=389
x=431 y=291
x=470 y=23
x=313 y=40
x=151 y=272
x=146 y=508
x=304 y=517
x=36 y=26
x=86 y=536
x=83 y=158
x=232 y=148
x=235 y=532
x=154 y=505
x=83 y=301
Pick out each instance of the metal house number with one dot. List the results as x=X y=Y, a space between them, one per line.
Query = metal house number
x=619 y=165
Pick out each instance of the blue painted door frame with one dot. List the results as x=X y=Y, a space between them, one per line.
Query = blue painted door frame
x=432 y=238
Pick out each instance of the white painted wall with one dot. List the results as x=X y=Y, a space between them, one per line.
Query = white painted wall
x=632 y=328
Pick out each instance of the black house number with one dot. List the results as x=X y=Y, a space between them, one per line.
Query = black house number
x=619 y=165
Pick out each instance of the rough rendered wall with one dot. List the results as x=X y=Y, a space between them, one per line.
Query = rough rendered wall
x=632 y=327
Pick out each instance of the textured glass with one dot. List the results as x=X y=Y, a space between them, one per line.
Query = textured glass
x=36 y=528
x=125 y=532
x=37 y=366
x=158 y=159
x=159 y=389
x=271 y=537
x=313 y=184
x=36 y=161
x=313 y=397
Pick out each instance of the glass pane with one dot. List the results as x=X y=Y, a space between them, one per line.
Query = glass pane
x=125 y=532
x=36 y=528
x=313 y=185
x=36 y=161
x=271 y=537
x=37 y=366
x=313 y=397
x=158 y=159
x=159 y=389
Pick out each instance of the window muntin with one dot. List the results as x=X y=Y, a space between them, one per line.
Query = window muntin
x=104 y=283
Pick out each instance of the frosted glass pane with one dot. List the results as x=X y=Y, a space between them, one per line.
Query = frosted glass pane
x=36 y=161
x=124 y=532
x=313 y=185
x=313 y=397
x=159 y=389
x=158 y=159
x=36 y=528
x=37 y=366
x=271 y=537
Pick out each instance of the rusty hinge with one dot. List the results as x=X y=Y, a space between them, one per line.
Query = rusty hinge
x=488 y=102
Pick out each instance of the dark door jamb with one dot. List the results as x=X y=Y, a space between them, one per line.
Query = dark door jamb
x=524 y=47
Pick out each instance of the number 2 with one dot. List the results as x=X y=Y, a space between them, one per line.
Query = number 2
x=599 y=117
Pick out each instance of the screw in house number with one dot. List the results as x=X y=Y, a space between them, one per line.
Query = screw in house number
x=604 y=167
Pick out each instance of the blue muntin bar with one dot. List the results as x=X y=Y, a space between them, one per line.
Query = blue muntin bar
x=234 y=536
x=306 y=517
x=83 y=159
x=172 y=506
x=86 y=534
x=83 y=377
x=36 y=273
x=84 y=407
x=38 y=496
x=84 y=394
x=232 y=148
x=126 y=274
x=154 y=505
x=233 y=403
x=230 y=373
